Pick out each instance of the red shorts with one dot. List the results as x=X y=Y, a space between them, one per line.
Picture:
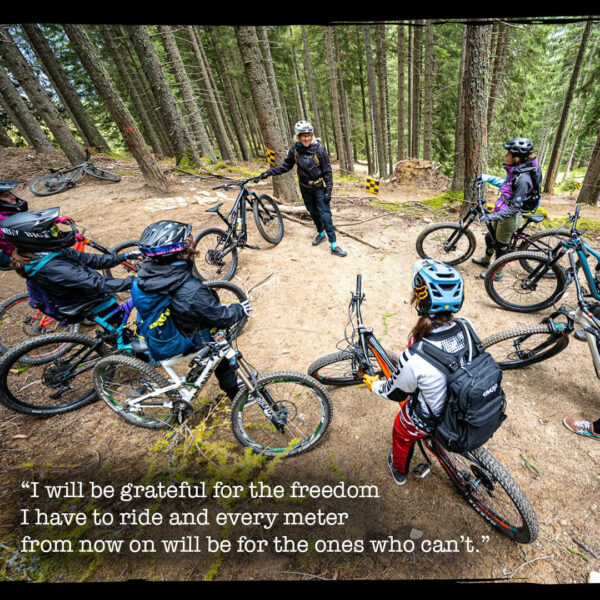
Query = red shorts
x=404 y=435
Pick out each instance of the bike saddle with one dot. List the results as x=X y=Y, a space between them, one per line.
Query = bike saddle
x=54 y=170
x=76 y=310
x=214 y=208
x=538 y=218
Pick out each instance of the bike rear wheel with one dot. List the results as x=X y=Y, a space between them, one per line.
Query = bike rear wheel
x=488 y=487
x=523 y=346
x=120 y=379
x=20 y=322
x=446 y=242
x=268 y=218
x=48 y=184
x=521 y=291
x=343 y=368
x=544 y=241
x=55 y=386
x=101 y=173
x=212 y=262
x=301 y=406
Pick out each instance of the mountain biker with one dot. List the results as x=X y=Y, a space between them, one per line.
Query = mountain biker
x=419 y=387
x=195 y=308
x=9 y=205
x=515 y=191
x=42 y=253
x=315 y=179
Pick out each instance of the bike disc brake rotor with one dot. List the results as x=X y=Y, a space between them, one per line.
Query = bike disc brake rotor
x=54 y=376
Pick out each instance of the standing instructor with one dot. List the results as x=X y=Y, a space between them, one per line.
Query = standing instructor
x=315 y=178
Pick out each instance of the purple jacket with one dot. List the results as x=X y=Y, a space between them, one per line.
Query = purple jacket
x=513 y=193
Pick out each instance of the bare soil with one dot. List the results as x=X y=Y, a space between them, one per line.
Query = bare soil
x=300 y=314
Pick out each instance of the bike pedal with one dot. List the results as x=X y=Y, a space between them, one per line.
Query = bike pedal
x=421 y=470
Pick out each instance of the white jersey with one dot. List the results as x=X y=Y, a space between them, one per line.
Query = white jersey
x=414 y=373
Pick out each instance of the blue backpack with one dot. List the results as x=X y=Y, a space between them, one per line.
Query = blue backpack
x=155 y=323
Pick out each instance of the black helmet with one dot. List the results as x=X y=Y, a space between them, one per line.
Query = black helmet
x=521 y=147
x=37 y=231
x=19 y=205
x=164 y=238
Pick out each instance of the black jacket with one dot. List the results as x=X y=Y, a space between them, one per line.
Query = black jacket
x=193 y=305
x=71 y=276
x=309 y=168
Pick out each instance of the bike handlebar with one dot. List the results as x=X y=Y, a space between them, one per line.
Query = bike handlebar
x=575 y=218
x=234 y=184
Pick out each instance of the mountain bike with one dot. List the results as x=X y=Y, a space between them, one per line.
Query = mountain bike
x=523 y=346
x=278 y=414
x=531 y=290
x=454 y=243
x=482 y=481
x=52 y=374
x=59 y=179
x=218 y=249
x=19 y=321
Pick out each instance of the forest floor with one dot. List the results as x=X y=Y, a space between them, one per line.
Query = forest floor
x=300 y=314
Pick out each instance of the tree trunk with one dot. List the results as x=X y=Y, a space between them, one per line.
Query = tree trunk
x=214 y=116
x=380 y=53
x=416 y=89
x=409 y=97
x=187 y=93
x=458 y=176
x=283 y=185
x=121 y=60
x=23 y=73
x=430 y=68
x=230 y=95
x=590 y=189
x=344 y=108
x=359 y=60
x=374 y=103
x=475 y=101
x=176 y=127
x=265 y=50
x=311 y=83
x=92 y=63
x=21 y=116
x=498 y=71
x=560 y=130
x=401 y=58
x=5 y=140
x=62 y=85
x=335 y=106
x=230 y=137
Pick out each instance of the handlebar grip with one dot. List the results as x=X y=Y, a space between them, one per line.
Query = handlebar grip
x=358 y=284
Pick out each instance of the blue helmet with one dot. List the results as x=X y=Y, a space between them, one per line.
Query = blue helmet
x=437 y=287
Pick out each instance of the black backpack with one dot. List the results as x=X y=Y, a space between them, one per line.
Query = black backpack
x=475 y=401
x=531 y=202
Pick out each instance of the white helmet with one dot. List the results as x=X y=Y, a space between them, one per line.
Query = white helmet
x=303 y=127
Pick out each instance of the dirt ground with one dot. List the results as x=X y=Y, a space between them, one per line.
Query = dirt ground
x=300 y=314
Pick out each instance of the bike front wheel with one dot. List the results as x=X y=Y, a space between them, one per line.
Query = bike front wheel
x=48 y=184
x=446 y=242
x=343 y=368
x=268 y=219
x=20 y=322
x=216 y=258
x=229 y=293
x=130 y=267
x=523 y=346
x=288 y=416
x=56 y=385
x=517 y=289
x=101 y=173
x=119 y=380
x=488 y=487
